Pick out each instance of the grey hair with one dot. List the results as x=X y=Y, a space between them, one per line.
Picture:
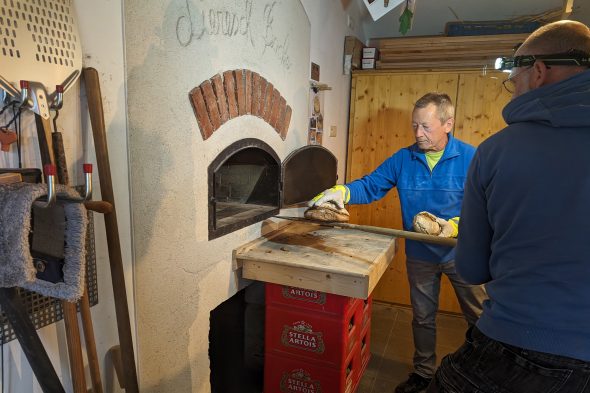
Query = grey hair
x=443 y=103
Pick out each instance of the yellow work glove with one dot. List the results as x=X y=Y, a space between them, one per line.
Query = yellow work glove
x=338 y=195
x=449 y=228
x=425 y=222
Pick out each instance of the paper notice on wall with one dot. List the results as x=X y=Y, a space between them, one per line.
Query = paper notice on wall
x=378 y=8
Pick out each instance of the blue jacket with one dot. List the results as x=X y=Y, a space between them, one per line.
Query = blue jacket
x=524 y=224
x=439 y=192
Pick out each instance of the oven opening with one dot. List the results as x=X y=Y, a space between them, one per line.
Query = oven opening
x=236 y=342
x=244 y=184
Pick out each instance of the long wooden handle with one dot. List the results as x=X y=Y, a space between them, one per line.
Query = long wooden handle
x=421 y=237
x=60 y=158
x=45 y=140
x=94 y=97
x=70 y=315
x=74 y=346
x=88 y=327
x=69 y=309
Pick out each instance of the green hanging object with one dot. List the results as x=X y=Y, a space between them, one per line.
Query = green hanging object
x=405 y=20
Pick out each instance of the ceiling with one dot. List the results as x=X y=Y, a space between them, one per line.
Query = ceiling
x=431 y=15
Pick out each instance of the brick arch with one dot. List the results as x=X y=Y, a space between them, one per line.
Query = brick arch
x=236 y=93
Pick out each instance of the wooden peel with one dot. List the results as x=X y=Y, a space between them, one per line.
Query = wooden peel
x=420 y=237
x=95 y=110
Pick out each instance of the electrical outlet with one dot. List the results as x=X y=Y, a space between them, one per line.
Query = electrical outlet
x=332 y=131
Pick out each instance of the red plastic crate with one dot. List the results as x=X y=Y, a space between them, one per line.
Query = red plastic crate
x=315 y=336
x=286 y=374
x=309 y=299
x=367 y=307
x=365 y=347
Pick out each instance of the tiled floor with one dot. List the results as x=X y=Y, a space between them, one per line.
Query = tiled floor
x=392 y=346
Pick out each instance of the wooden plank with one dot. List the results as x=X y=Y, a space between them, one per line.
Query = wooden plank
x=351 y=111
x=479 y=114
x=444 y=40
x=457 y=53
x=445 y=52
x=334 y=282
x=438 y=64
x=341 y=261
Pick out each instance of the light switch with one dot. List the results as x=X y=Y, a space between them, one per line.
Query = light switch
x=332 y=130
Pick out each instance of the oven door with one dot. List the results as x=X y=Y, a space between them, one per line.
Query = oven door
x=306 y=172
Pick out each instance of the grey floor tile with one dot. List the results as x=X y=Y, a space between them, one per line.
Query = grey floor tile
x=399 y=348
x=392 y=345
x=395 y=370
x=366 y=384
x=450 y=337
x=451 y=321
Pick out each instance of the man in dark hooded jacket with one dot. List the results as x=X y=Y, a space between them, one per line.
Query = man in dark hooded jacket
x=524 y=229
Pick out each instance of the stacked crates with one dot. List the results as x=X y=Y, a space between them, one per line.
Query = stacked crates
x=314 y=341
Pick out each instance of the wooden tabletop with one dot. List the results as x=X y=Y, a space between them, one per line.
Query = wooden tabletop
x=345 y=262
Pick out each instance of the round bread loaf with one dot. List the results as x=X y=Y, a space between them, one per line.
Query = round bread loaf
x=425 y=222
x=327 y=212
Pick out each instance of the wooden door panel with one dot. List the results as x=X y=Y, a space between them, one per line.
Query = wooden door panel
x=380 y=125
x=480 y=101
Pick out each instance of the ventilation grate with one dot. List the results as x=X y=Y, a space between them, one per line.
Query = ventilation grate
x=46 y=24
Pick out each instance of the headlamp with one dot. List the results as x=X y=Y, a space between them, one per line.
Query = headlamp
x=571 y=58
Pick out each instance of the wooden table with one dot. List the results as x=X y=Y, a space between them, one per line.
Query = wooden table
x=317 y=338
x=344 y=262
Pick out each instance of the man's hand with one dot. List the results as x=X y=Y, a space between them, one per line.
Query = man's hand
x=448 y=228
x=425 y=222
x=339 y=195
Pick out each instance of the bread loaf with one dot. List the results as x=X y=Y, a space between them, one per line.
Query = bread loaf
x=327 y=212
x=425 y=222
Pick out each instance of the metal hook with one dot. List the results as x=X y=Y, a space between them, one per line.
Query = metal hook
x=87 y=188
x=50 y=171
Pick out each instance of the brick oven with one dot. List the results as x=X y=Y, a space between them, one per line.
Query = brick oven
x=248 y=183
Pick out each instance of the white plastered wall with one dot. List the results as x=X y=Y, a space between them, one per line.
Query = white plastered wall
x=172 y=47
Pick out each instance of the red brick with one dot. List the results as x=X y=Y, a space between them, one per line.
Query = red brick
x=229 y=83
x=284 y=127
x=241 y=91
x=268 y=100
x=198 y=103
x=255 y=93
x=276 y=104
x=279 y=122
x=261 y=102
x=211 y=103
x=248 y=91
x=221 y=99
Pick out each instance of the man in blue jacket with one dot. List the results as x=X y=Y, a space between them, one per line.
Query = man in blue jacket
x=429 y=176
x=524 y=228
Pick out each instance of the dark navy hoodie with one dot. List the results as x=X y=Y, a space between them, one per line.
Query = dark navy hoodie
x=525 y=222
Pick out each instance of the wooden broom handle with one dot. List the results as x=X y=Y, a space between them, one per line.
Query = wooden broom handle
x=94 y=97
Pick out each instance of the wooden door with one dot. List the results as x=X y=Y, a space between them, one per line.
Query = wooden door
x=380 y=124
x=480 y=101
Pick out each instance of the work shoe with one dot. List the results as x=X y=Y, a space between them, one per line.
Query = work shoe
x=414 y=384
